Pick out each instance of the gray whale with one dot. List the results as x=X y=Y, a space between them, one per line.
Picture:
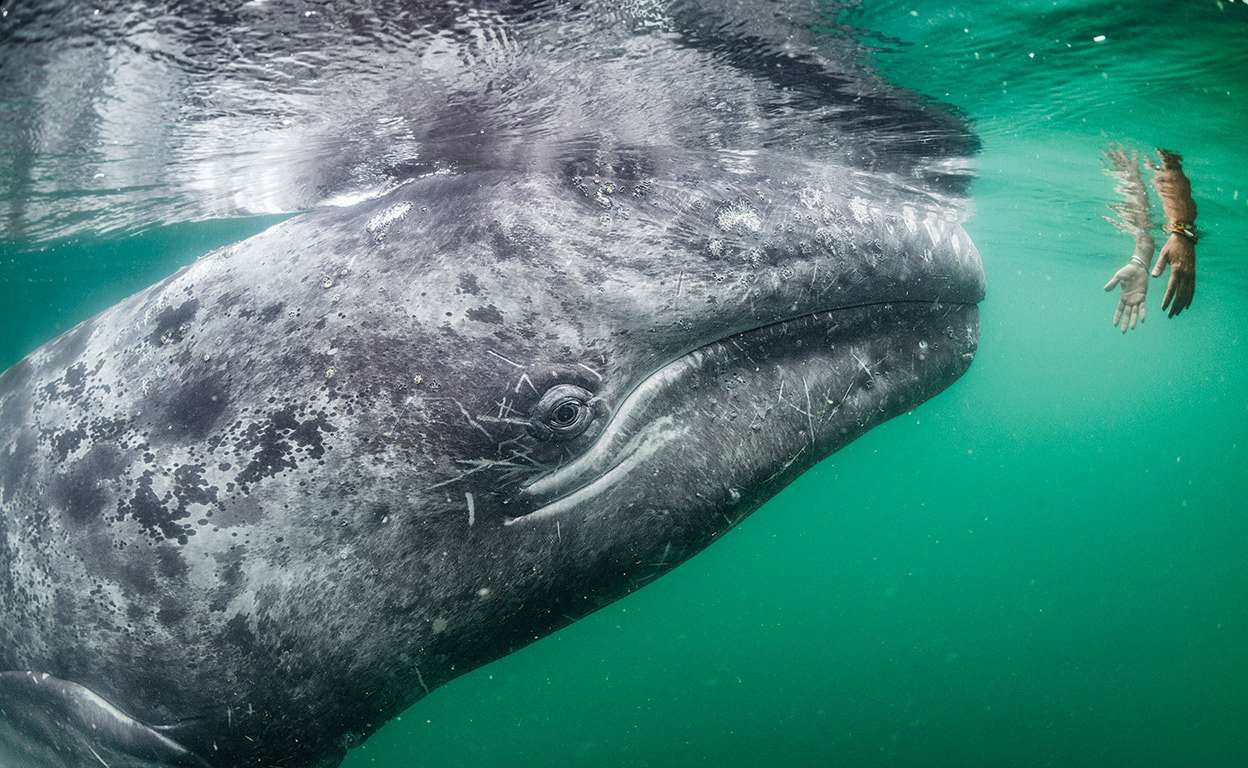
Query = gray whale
x=255 y=511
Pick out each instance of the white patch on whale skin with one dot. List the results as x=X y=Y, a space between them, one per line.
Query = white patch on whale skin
x=935 y=228
x=908 y=216
x=861 y=212
x=378 y=223
x=739 y=216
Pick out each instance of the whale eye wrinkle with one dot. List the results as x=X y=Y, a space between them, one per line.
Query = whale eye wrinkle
x=564 y=412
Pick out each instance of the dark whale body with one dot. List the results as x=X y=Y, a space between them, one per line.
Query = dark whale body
x=609 y=278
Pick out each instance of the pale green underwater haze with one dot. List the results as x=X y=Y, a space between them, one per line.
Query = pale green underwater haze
x=1047 y=565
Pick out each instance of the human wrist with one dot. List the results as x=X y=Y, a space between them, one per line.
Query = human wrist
x=1185 y=229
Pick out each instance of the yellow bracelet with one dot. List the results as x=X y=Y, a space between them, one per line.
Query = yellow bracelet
x=1182 y=228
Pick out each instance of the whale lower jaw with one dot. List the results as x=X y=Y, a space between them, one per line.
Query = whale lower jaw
x=47 y=722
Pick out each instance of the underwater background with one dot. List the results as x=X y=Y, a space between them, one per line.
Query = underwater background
x=1046 y=565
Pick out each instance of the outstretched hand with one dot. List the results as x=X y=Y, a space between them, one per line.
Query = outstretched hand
x=1180 y=253
x=1133 y=277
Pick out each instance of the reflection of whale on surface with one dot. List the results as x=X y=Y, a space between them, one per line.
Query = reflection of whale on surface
x=626 y=275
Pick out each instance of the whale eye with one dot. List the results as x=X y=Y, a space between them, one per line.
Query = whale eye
x=564 y=412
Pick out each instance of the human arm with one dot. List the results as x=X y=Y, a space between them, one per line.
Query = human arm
x=1134 y=219
x=1179 y=250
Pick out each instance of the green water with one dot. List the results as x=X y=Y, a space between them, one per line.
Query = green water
x=1047 y=565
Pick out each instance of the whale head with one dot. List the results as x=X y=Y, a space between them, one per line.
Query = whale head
x=618 y=297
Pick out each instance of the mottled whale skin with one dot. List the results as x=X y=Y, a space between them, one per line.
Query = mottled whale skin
x=255 y=511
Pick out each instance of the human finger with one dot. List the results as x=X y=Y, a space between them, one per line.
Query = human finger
x=1183 y=297
x=1122 y=305
x=1113 y=281
x=1171 y=287
x=1160 y=266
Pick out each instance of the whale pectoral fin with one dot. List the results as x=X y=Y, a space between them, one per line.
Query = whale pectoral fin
x=47 y=722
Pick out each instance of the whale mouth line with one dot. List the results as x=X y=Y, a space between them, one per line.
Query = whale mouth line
x=633 y=435
x=641 y=447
